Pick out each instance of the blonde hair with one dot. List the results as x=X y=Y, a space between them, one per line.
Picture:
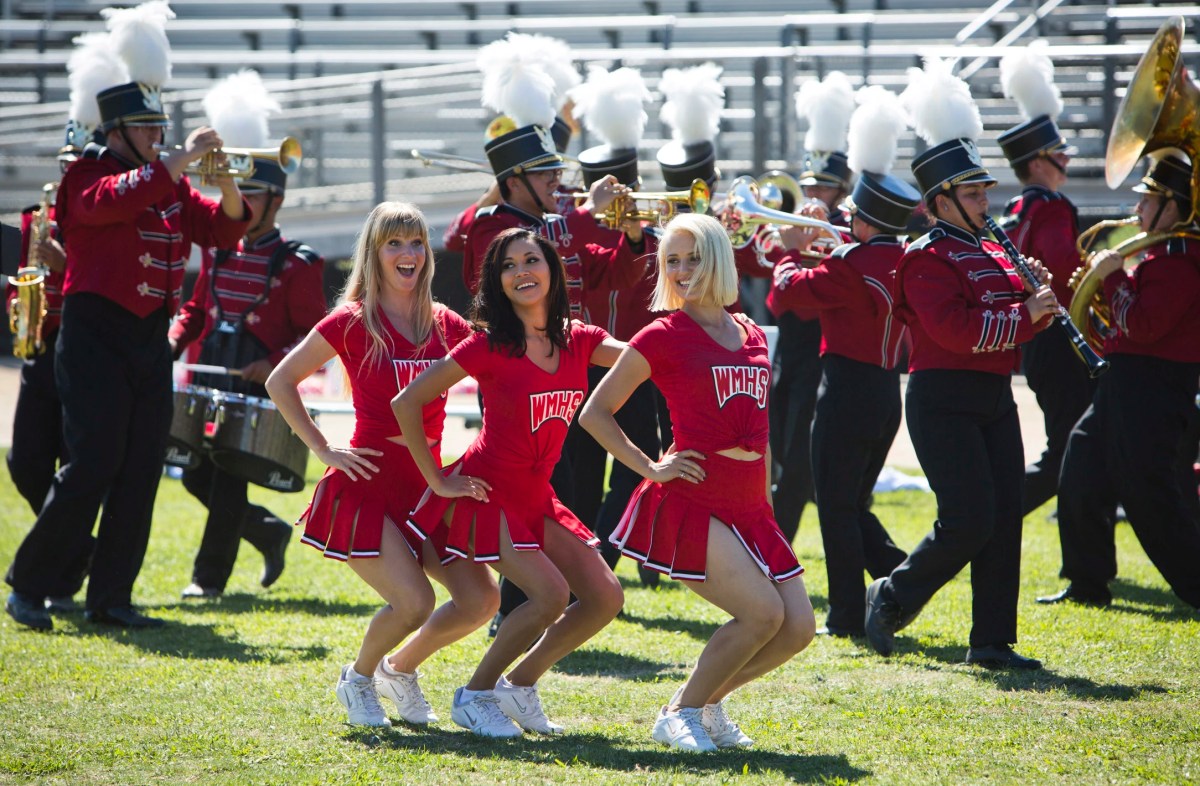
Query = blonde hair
x=714 y=279
x=364 y=284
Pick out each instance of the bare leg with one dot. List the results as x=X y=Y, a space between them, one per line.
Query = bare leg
x=599 y=598
x=397 y=577
x=548 y=593
x=474 y=598
x=735 y=585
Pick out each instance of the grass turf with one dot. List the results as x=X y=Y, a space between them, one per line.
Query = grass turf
x=241 y=690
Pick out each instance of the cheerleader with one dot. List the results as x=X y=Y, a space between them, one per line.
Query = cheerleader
x=386 y=331
x=495 y=506
x=703 y=513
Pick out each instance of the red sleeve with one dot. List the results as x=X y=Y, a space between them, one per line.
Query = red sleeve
x=934 y=293
x=208 y=226
x=455 y=237
x=820 y=287
x=1166 y=290
x=457 y=329
x=474 y=355
x=589 y=336
x=333 y=327
x=189 y=322
x=102 y=198
x=651 y=343
x=305 y=303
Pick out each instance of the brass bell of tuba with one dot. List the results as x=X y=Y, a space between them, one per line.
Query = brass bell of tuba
x=27 y=313
x=1161 y=108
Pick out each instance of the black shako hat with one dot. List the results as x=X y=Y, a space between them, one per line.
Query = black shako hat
x=621 y=162
x=562 y=133
x=884 y=202
x=131 y=104
x=681 y=164
x=1171 y=177
x=526 y=149
x=950 y=164
x=268 y=176
x=1039 y=136
x=826 y=169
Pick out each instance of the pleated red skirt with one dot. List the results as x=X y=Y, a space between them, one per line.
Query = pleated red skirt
x=665 y=525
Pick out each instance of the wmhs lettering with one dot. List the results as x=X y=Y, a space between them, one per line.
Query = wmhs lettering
x=559 y=404
x=408 y=370
x=749 y=381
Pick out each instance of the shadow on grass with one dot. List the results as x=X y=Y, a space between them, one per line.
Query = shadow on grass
x=697 y=629
x=251 y=603
x=1166 y=605
x=1043 y=681
x=606 y=663
x=606 y=753
x=200 y=642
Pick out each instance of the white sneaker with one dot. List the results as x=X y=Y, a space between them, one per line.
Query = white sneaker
x=525 y=707
x=683 y=729
x=482 y=715
x=404 y=691
x=723 y=732
x=359 y=697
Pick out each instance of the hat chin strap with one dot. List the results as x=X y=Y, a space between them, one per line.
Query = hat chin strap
x=129 y=144
x=532 y=194
x=970 y=224
x=1050 y=160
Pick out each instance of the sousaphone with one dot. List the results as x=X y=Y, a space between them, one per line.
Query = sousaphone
x=1161 y=108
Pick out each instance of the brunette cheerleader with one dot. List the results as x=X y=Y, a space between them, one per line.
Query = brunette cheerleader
x=703 y=513
x=496 y=505
x=386 y=331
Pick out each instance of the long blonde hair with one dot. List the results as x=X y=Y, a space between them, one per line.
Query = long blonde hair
x=364 y=284
x=715 y=278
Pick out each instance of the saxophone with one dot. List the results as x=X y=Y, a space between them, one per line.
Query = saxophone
x=28 y=311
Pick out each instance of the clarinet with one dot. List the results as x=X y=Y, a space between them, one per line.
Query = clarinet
x=1096 y=365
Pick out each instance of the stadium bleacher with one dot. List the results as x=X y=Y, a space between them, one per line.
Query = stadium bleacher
x=345 y=69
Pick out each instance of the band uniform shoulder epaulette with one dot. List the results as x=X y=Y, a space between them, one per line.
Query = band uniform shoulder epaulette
x=841 y=251
x=93 y=151
x=307 y=253
x=933 y=235
x=1177 y=246
x=487 y=210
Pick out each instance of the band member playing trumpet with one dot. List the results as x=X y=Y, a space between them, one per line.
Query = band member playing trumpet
x=1044 y=225
x=128 y=220
x=250 y=305
x=968 y=311
x=1136 y=443
x=858 y=402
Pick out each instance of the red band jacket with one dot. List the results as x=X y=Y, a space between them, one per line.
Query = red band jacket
x=1045 y=226
x=1156 y=306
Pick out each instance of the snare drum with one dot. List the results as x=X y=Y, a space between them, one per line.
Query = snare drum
x=252 y=441
x=193 y=408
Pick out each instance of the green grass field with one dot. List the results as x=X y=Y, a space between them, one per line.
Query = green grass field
x=241 y=690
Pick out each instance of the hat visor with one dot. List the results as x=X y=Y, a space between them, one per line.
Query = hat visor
x=984 y=178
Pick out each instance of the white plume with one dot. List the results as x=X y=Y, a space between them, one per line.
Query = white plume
x=694 y=98
x=611 y=104
x=516 y=85
x=875 y=128
x=238 y=107
x=92 y=67
x=555 y=58
x=940 y=104
x=827 y=106
x=1027 y=76
x=140 y=36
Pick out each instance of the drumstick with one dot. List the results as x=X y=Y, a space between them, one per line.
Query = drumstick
x=203 y=369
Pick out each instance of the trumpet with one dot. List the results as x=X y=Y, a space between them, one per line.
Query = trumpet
x=451 y=161
x=744 y=214
x=625 y=208
x=239 y=161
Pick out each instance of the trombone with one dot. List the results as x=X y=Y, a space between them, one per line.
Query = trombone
x=239 y=161
x=450 y=161
x=625 y=208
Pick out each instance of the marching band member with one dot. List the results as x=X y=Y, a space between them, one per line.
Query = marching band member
x=827 y=105
x=858 y=403
x=128 y=219
x=968 y=310
x=703 y=512
x=1044 y=225
x=250 y=305
x=1136 y=442
x=385 y=331
x=34 y=457
x=496 y=505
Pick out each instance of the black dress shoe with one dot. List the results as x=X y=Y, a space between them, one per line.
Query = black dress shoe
x=883 y=618
x=61 y=604
x=29 y=611
x=649 y=577
x=1000 y=656
x=122 y=617
x=273 y=557
x=194 y=591
x=1073 y=594
x=839 y=633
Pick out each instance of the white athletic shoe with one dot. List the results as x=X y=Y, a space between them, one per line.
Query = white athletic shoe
x=683 y=729
x=358 y=696
x=524 y=706
x=723 y=732
x=482 y=715
x=404 y=691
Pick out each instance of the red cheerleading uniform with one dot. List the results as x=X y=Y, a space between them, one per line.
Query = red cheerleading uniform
x=851 y=289
x=963 y=302
x=718 y=400
x=514 y=452
x=345 y=518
